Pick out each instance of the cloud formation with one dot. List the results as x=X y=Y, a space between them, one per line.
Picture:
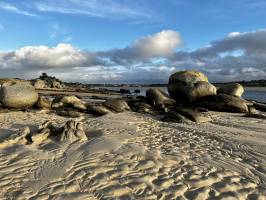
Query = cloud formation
x=238 y=56
x=93 y=8
x=13 y=9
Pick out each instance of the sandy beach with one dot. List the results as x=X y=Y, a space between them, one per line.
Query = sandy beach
x=134 y=156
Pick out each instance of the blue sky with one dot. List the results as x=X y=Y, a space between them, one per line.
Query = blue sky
x=102 y=38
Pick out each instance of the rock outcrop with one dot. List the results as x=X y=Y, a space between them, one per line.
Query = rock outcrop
x=188 y=86
x=18 y=95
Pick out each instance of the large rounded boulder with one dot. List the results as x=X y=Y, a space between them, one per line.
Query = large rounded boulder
x=18 y=95
x=234 y=89
x=223 y=103
x=188 y=86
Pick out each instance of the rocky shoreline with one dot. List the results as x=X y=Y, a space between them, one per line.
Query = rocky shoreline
x=45 y=116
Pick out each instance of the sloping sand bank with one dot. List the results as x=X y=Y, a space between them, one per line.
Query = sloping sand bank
x=132 y=156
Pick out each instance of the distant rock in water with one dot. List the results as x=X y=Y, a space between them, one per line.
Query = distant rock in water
x=234 y=89
x=18 y=94
x=188 y=86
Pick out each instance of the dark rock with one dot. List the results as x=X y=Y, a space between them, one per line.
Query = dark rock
x=141 y=107
x=175 y=117
x=70 y=113
x=159 y=99
x=117 y=105
x=98 y=110
x=260 y=106
x=194 y=115
x=223 y=102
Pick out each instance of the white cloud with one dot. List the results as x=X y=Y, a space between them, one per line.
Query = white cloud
x=11 y=8
x=94 y=8
x=238 y=56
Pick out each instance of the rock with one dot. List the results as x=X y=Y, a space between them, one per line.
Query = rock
x=70 y=113
x=72 y=131
x=175 y=117
x=194 y=115
x=56 y=84
x=158 y=98
x=188 y=86
x=44 y=102
x=40 y=84
x=117 y=105
x=18 y=95
x=224 y=103
x=260 y=106
x=234 y=89
x=98 y=110
x=137 y=91
x=72 y=101
x=141 y=107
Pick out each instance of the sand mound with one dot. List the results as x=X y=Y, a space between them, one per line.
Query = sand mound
x=132 y=156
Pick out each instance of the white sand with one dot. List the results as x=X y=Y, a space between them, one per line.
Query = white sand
x=133 y=156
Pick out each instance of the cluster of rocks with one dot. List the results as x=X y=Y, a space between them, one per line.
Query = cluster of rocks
x=45 y=81
x=191 y=95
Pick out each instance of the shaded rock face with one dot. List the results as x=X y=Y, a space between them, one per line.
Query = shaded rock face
x=117 y=105
x=98 y=110
x=175 y=117
x=234 y=89
x=141 y=107
x=194 y=115
x=44 y=102
x=188 y=86
x=18 y=95
x=158 y=98
x=224 y=103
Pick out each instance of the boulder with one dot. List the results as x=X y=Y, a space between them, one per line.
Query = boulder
x=158 y=98
x=98 y=110
x=194 y=115
x=40 y=84
x=72 y=131
x=188 y=86
x=18 y=95
x=234 y=89
x=56 y=84
x=141 y=107
x=117 y=105
x=175 y=117
x=44 y=102
x=224 y=103
x=70 y=113
x=72 y=101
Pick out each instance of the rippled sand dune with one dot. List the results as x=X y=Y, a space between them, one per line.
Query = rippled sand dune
x=132 y=156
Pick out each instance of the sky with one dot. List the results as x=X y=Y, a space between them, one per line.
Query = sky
x=125 y=41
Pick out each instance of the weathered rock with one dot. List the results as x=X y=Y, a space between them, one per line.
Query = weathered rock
x=234 y=89
x=158 y=98
x=56 y=84
x=72 y=131
x=98 y=110
x=260 y=106
x=21 y=95
x=72 y=101
x=175 y=117
x=70 y=113
x=141 y=107
x=40 y=84
x=194 y=115
x=224 y=103
x=44 y=102
x=188 y=86
x=117 y=105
